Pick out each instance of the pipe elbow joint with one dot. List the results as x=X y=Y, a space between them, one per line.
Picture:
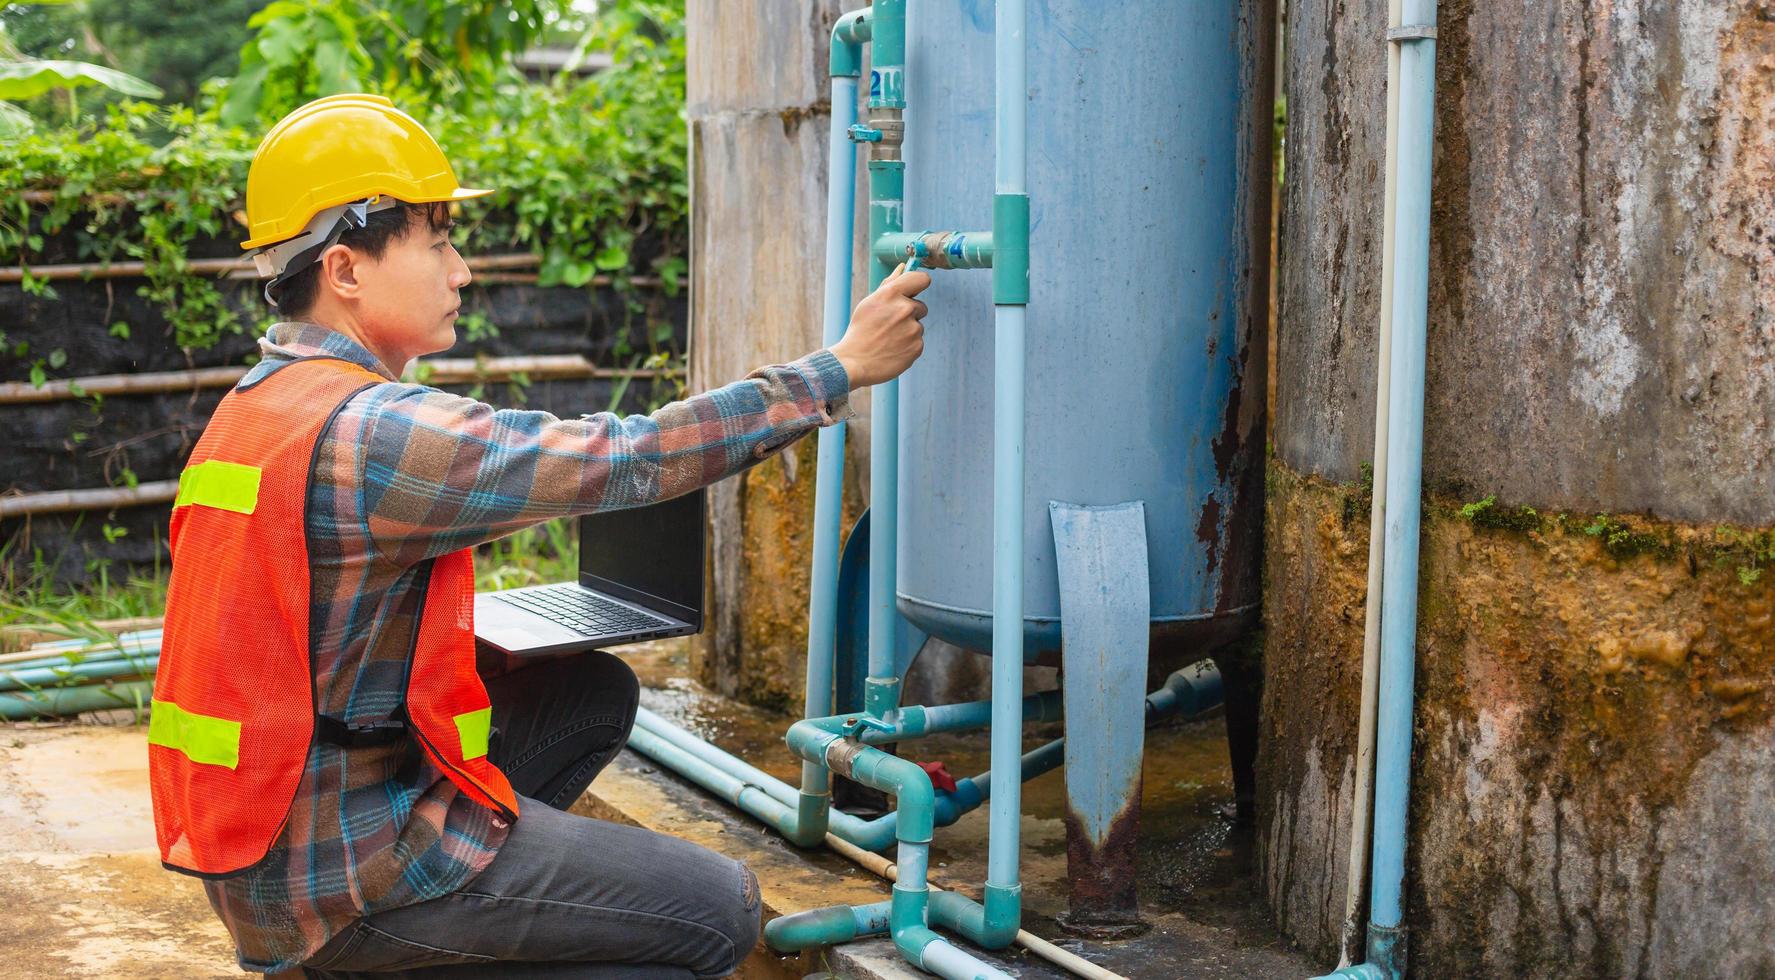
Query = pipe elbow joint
x=912 y=939
x=848 y=36
x=1002 y=915
x=812 y=820
x=806 y=930
x=808 y=739
x=951 y=806
x=915 y=801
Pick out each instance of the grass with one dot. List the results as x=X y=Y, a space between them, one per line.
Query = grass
x=544 y=553
x=31 y=597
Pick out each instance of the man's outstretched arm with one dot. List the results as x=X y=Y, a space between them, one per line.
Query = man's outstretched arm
x=439 y=472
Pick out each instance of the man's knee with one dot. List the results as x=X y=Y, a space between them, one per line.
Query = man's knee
x=739 y=918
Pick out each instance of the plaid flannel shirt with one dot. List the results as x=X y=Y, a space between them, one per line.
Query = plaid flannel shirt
x=405 y=473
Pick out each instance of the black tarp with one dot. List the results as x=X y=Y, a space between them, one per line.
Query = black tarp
x=75 y=444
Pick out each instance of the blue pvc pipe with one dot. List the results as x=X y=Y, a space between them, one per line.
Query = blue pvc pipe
x=22 y=705
x=36 y=677
x=827 y=926
x=1405 y=459
x=1188 y=691
x=748 y=796
x=881 y=688
x=91 y=653
x=1003 y=892
x=822 y=615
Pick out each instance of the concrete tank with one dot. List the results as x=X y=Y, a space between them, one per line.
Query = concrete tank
x=1149 y=175
x=1594 y=756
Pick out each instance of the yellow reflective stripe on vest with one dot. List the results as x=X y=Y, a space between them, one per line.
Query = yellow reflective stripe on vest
x=474 y=728
x=219 y=484
x=211 y=741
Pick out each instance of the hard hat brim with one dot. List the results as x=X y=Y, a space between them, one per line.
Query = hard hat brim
x=460 y=194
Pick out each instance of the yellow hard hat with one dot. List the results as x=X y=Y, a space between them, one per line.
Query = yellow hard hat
x=340 y=149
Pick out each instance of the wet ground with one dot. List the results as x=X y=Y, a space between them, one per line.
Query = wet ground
x=1197 y=879
x=82 y=893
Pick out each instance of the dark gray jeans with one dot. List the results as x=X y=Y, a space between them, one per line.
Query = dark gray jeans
x=566 y=896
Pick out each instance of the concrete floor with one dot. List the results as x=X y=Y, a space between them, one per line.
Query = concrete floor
x=82 y=893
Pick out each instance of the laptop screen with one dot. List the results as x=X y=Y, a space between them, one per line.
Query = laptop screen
x=649 y=555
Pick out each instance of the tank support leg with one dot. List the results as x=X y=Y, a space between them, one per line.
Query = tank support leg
x=1105 y=608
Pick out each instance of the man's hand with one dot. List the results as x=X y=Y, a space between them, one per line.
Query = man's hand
x=885 y=334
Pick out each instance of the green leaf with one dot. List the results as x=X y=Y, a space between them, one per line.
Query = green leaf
x=577 y=274
x=282 y=41
x=120 y=330
x=332 y=65
x=25 y=79
x=39 y=377
x=611 y=258
x=241 y=107
x=58 y=358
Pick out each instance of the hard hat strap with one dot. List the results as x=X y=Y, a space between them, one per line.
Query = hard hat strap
x=289 y=257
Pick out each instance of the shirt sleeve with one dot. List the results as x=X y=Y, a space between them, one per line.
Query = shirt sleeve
x=441 y=472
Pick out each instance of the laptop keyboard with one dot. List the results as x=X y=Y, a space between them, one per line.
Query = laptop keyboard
x=582 y=612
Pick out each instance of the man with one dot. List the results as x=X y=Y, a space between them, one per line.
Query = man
x=322 y=749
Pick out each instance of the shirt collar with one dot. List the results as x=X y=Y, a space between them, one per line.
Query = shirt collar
x=289 y=340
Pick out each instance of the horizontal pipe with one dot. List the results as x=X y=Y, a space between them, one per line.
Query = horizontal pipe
x=936 y=249
x=804 y=824
x=938 y=955
x=436 y=371
x=872 y=835
x=23 y=705
x=1192 y=689
x=84 y=656
x=101 y=669
x=43 y=639
x=827 y=926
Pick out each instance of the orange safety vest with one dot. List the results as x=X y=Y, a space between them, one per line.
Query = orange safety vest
x=234 y=712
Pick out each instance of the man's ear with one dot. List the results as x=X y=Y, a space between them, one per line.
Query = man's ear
x=339 y=271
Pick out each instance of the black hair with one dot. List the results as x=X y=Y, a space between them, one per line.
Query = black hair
x=296 y=295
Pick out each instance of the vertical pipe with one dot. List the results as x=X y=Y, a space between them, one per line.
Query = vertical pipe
x=887 y=96
x=1405 y=457
x=881 y=691
x=822 y=614
x=1350 y=946
x=1002 y=898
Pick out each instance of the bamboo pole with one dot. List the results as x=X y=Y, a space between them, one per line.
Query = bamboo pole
x=236 y=268
x=103 y=498
x=494 y=269
x=17 y=640
x=443 y=370
x=452 y=370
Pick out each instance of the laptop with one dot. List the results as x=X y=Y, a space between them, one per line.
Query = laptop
x=640 y=578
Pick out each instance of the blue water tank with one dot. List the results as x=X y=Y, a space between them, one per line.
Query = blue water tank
x=1149 y=176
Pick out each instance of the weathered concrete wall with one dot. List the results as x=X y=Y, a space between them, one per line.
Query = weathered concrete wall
x=758 y=105
x=1602 y=303
x=1594 y=743
x=1594 y=746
